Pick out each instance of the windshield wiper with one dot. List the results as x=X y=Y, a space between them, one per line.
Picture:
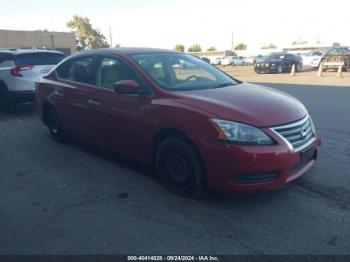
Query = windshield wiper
x=225 y=85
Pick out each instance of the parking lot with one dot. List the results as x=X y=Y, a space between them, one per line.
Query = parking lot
x=306 y=77
x=77 y=199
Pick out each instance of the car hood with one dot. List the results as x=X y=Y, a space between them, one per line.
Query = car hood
x=246 y=103
x=270 y=61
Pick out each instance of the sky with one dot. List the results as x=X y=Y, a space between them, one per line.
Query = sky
x=163 y=24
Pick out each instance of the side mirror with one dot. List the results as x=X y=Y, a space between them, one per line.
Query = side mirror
x=127 y=87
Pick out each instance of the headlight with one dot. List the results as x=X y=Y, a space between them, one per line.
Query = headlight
x=240 y=134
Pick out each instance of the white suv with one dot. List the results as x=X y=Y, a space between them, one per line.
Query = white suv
x=19 y=70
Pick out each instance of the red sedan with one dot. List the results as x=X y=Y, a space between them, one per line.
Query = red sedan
x=199 y=127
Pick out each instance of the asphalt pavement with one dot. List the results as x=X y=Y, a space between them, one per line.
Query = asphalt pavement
x=77 y=199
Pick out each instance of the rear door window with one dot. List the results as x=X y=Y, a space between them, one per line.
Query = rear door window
x=38 y=59
x=77 y=70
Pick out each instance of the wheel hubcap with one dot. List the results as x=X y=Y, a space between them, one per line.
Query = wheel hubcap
x=54 y=130
x=54 y=126
x=177 y=168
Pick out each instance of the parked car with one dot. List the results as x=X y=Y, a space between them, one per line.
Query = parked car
x=232 y=60
x=335 y=57
x=199 y=129
x=278 y=63
x=205 y=59
x=216 y=61
x=239 y=60
x=19 y=69
x=313 y=58
x=258 y=58
x=228 y=60
x=249 y=60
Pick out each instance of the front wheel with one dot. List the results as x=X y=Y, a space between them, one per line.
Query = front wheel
x=179 y=168
x=55 y=126
x=280 y=69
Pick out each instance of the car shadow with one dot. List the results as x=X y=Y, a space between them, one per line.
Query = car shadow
x=113 y=157
x=243 y=199
x=212 y=197
x=22 y=110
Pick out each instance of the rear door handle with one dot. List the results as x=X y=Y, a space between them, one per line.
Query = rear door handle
x=58 y=93
x=93 y=102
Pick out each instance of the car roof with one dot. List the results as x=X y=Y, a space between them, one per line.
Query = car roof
x=18 y=51
x=129 y=50
x=280 y=53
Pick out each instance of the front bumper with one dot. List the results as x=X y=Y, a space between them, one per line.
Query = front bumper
x=254 y=168
x=265 y=69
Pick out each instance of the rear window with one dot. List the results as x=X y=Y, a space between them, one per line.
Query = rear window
x=39 y=59
x=6 y=60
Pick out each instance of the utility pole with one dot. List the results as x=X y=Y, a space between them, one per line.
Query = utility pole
x=110 y=37
x=232 y=42
x=53 y=25
x=52 y=41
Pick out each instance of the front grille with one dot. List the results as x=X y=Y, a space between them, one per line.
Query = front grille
x=299 y=134
x=255 y=178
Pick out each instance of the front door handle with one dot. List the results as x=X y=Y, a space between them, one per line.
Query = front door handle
x=94 y=102
x=58 y=93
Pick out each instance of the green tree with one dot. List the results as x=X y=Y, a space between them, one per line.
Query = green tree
x=180 y=48
x=212 y=48
x=195 y=48
x=117 y=45
x=269 y=46
x=300 y=42
x=241 y=46
x=86 y=36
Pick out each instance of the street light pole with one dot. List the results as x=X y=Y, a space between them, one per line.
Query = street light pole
x=232 y=41
x=110 y=37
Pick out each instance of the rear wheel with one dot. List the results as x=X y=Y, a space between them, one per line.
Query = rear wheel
x=7 y=104
x=297 y=68
x=179 y=168
x=54 y=124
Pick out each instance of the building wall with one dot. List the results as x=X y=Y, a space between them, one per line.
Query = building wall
x=213 y=53
x=64 y=42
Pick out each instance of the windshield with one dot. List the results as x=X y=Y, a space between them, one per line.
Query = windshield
x=313 y=53
x=181 y=72
x=275 y=56
x=339 y=51
x=39 y=59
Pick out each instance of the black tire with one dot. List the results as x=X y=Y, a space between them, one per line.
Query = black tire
x=7 y=104
x=297 y=67
x=54 y=124
x=179 y=168
x=279 y=69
